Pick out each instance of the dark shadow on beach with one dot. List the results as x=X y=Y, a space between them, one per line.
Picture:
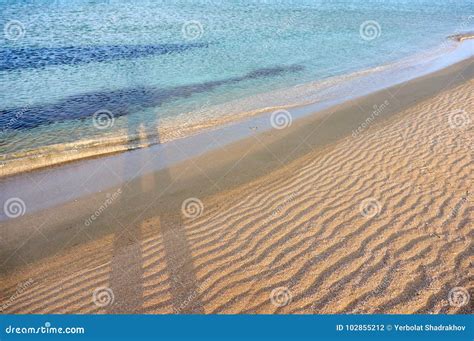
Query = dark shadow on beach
x=127 y=278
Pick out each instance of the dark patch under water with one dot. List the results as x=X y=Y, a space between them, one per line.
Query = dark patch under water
x=119 y=102
x=37 y=57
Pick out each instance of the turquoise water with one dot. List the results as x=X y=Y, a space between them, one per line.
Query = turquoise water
x=92 y=75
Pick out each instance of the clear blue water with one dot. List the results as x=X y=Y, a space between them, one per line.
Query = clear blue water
x=163 y=69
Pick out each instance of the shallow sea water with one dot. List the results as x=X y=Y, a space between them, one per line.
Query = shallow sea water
x=92 y=75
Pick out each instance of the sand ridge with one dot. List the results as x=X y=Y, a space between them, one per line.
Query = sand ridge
x=376 y=223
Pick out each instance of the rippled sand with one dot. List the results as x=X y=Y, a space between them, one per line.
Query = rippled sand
x=378 y=222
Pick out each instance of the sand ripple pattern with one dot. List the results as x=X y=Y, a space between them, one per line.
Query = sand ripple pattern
x=305 y=233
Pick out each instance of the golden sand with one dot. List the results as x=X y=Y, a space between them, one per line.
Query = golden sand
x=378 y=222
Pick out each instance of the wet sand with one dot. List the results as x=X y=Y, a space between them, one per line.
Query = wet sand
x=356 y=209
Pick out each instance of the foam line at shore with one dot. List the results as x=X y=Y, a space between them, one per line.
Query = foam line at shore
x=62 y=180
x=302 y=99
x=378 y=224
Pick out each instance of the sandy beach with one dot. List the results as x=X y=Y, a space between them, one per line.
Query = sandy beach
x=363 y=208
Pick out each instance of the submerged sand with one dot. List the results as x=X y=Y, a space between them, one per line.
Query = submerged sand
x=47 y=151
x=371 y=216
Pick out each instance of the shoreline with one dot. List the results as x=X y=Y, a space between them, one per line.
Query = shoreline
x=281 y=209
x=70 y=192
x=58 y=179
x=353 y=86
